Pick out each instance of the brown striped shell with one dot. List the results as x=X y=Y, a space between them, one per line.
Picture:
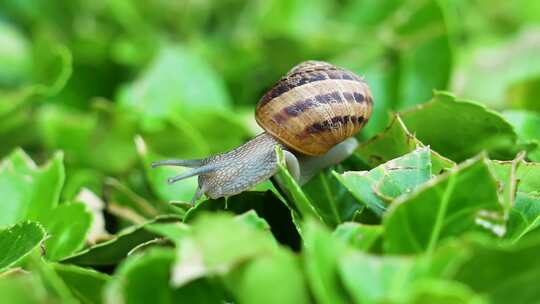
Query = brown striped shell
x=315 y=106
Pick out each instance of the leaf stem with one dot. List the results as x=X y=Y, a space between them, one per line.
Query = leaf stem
x=331 y=199
x=452 y=179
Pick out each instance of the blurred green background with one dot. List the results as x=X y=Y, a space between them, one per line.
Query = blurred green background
x=94 y=91
x=88 y=77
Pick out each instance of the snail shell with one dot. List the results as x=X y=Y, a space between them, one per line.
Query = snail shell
x=314 y=107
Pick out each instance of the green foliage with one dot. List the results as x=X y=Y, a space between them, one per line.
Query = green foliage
x=332 y=201
x=440 y=202
x=293 y=190
x=15 y=289
x=460 y=129
x=527 y=126
x=360 y=236
x=152 y=99
x=85 y=284
x=321 y=257
x=515 y=266
x=146 y=278
x=111 y=251
x=525 y=216
x=250 y=284
x=18 y=241
x=397 y=140
x=372 y=279
x=449 y=205
x=68 y=226
x=378 y=187
x=30 y=193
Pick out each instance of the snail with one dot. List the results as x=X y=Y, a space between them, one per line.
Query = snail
x=311 y=113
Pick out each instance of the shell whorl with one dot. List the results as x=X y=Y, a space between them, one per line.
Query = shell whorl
x=315 y=106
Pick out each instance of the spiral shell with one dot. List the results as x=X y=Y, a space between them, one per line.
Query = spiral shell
x=314 y=107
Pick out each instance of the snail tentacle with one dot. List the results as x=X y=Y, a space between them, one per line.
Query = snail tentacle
x=191 y=163
x=197 y=171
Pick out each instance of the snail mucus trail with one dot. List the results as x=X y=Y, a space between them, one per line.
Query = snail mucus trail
x=312 y=113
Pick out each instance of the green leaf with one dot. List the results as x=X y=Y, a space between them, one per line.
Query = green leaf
x=359 y=236
x=426 y=54
x=378 y=187
x=414 y=57
x=178 y=82
x=253 y=220
x=79 y=179
x=527 y=126
x=396 y=141
x=528 y=174
x=523 y=94
x=524 y=216
x=448 y=206
x=281 y=271
x=124 y=197
x=214 y=249
x=373 y=279
x=29 y=192
x=145 y=278
x=68 y=227
x=114 y=250
x=293 y=191
x=299 y=20
x=382 y=78
x=283 y=222
x=53 y=283
x=393 y=142
x=15 y=56
x=207 y=126
x=330 y=198
x=370 y=13
x=15 y=289
x=135 y=207
x=440 y=291
x=460 y=129
x=502 y=272
x=321 y=256
x=173 y=231
x=18 y=241
x=51 y=68
x=101 y=138
x=519 y=183
x=86 y=284
x=200 y=136
x=487 y=72
x=52 y=65
x=404 y=279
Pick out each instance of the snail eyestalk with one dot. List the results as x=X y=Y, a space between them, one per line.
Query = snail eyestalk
x=194 y=172
x=191 y=163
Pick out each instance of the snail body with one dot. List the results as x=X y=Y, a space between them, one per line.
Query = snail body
x=312 y=113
